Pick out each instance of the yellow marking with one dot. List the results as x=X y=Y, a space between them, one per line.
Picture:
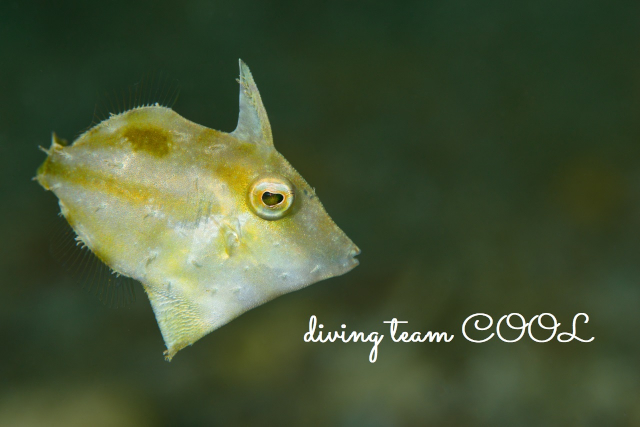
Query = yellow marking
x=105 y=184
x=208 y=136
x=152 y=140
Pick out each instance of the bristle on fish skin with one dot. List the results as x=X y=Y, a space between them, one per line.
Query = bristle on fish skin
x=57 y=141
x=210 y=223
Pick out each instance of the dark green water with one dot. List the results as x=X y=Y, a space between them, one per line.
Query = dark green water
x=485 y=156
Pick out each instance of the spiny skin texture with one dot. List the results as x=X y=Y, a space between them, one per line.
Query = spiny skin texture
x=165 y=201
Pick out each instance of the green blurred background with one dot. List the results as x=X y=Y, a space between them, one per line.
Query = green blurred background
x=483 y=155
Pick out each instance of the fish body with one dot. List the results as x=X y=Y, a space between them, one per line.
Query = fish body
x=211 y=223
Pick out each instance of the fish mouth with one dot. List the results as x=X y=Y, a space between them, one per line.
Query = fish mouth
x=353 y=253
x=339 y=263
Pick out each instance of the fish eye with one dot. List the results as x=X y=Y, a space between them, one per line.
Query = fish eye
x=271 y=197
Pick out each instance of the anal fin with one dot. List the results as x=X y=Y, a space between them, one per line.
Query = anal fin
x=84 y=267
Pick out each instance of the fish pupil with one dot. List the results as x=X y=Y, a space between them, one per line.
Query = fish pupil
x=272 y=199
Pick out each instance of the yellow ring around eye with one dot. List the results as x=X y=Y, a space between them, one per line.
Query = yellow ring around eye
x=271 y=197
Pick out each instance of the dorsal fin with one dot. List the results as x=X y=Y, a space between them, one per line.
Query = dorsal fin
x=253 y=123
x=156 y=89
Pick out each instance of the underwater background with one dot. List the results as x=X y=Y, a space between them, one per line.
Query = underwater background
x=485 y=157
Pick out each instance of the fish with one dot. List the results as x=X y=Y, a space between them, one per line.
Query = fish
x=212 y=224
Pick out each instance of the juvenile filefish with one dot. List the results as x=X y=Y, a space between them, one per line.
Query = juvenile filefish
x=211 y=223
